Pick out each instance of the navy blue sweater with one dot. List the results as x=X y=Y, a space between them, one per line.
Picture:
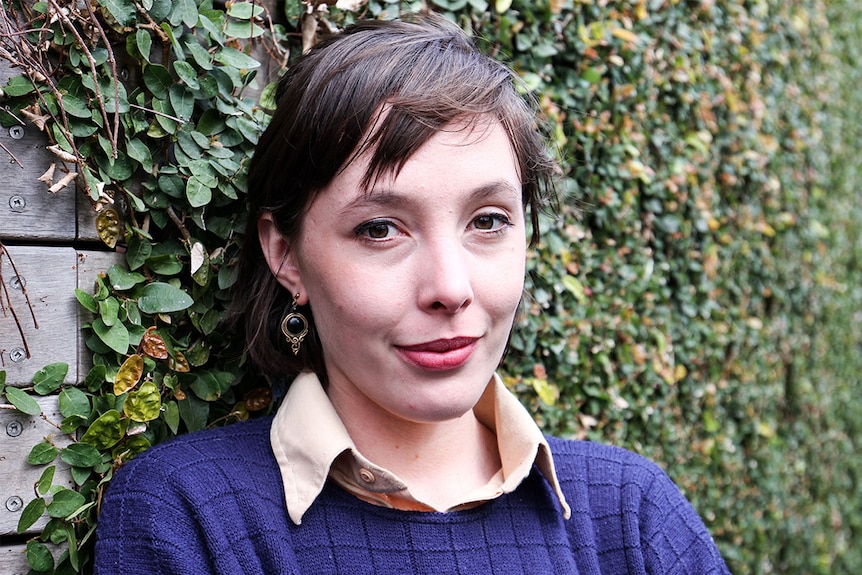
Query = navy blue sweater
x=212 y=502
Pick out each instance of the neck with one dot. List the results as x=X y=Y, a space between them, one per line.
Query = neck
x=441 y=462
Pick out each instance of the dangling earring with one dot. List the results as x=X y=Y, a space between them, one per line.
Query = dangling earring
x=294 y=326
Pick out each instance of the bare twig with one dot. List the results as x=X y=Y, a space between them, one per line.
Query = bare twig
x=11 y=155
x=179 y=223
x=4 y=291
x=92 y=61
x=113 y=62
x=157 y=113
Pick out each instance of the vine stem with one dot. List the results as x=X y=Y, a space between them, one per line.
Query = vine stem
x=113 y=62
x=92 y=61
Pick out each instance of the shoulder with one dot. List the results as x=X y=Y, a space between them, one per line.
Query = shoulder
x=620 y=496
x=591 y=462
x=232 y=447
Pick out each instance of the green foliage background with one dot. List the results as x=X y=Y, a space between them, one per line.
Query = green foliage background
x=697 y=300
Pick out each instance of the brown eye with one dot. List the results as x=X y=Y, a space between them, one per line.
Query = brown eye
x=484 y=223
x=378 y=231
x=491 y=222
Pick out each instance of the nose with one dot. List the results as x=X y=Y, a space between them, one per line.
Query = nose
x=445 y=281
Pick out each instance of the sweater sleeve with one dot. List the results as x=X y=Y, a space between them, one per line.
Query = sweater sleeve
x=146 y=527
x=628 y=517
x=673 y=538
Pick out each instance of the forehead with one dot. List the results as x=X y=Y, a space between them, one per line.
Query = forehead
x=474 y=154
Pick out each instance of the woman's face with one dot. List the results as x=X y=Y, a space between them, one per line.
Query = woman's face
x=415 y=283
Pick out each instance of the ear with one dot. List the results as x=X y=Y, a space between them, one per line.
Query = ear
x=280 y=257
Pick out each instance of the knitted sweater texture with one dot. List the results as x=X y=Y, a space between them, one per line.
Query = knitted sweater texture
x=213 y=503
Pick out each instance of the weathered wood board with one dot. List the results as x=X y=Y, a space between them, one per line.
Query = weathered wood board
x=18 y=434
x=43 y=279
x=50 y=276
x=13 y=558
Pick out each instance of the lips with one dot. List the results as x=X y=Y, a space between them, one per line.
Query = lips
x=440 y=354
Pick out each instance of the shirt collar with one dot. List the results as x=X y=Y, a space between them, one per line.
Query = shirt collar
x=307 y=436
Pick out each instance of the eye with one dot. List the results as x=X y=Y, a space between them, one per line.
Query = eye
x=491 y=222
x=376 y=230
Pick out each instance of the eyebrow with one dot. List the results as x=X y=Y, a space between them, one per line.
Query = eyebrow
x=386 y=197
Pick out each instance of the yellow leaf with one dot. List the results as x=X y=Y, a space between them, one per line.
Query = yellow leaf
x=547 y=392
x=625 y=35
x=129 y=374
x=179 y=363
x=108 y=226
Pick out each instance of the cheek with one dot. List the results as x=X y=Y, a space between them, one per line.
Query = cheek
x=505 y=290
x=350 y=302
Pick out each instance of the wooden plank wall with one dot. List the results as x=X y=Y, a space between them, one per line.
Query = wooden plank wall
x=50 y=248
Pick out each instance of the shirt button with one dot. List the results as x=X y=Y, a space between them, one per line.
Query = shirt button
x=366 y=476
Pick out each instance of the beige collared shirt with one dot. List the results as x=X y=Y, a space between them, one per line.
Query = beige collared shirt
x=311 y=444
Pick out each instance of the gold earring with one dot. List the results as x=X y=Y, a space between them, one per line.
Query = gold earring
x=294 y=326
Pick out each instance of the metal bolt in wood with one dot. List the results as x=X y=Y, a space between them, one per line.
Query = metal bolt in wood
x=14 y=428
x=18 y=355
x=14 y=504
x=17 y=203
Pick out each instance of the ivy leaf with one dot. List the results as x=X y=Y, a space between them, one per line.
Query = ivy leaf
x=187 y=74
x=144 y=43
x=172 y=416
x=193 y=412
x=31 y=515
x=165 y=264
x=49 y=378
x=22 y=402
x=65 y=503
x=76 y=107
x=123 y=280
x=42 y=453
x=182 y=102
x=73 y=401
x=129 y=374
x=18 y=86
x=144 y=404
x=106 y=431
x=108 y=310
x=45 y=480
x=244 y=10
x=158 y=80
x=108 y=226
x=185 y=12
x=165 y=117
x=139 y=152
x=243 y=30
x=233 y=58
x=81 y=455
x=200 y=55
x=86 y=300
x=122 y=10
x=96 y=377
x=158 y=297
x=116 y=336
x=198 y=193
x=137 y=252
x=153 y=345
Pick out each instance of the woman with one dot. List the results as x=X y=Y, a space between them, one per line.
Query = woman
x=390 y=196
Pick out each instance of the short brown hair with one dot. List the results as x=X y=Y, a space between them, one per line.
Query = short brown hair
x=428 y=73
